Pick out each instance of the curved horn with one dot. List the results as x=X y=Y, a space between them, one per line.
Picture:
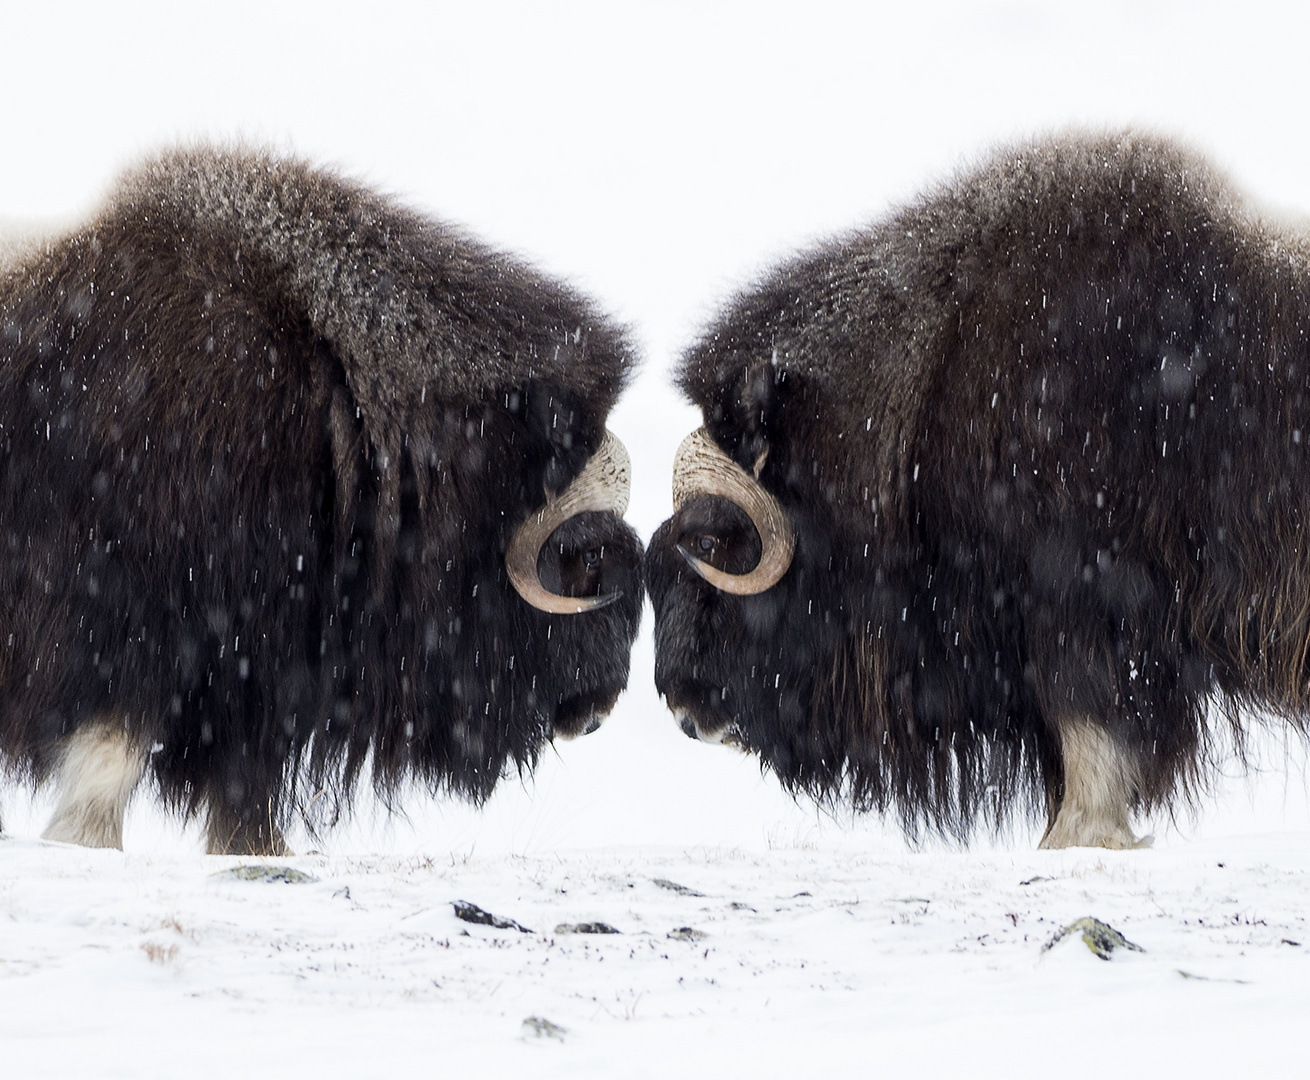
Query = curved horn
x=702 y=468
x=602 y=485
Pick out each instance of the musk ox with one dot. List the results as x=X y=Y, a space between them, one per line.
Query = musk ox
x=293 y=479
x=1001 y=502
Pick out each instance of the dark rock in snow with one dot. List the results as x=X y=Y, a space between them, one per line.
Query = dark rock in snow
x=285 y=875
x=586 y=928
x=1100 y=937
x=471 y=913
x=539 y=1027
x=673 y=886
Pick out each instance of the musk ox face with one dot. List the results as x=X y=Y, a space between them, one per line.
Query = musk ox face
x=294 y=480
x=1035 y=447
x=750 y=614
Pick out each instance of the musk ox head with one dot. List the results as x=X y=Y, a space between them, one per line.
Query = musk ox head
x=995 y=496
x=749 y=609
x=294 y=480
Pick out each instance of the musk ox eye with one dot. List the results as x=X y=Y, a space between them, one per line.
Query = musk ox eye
x=590 y=556
x=715 y=533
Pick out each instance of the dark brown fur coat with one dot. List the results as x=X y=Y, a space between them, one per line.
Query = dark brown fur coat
x=264 y=436
x=1043 y=434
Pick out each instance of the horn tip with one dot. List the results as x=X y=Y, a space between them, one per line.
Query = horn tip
x=692 y=561
x=595 y=603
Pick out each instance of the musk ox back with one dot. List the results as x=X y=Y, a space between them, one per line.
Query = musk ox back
x=268 y=440
x=1028 y=465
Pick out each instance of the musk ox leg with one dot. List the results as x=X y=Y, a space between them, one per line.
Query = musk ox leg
x=99 y=766
x=240 y=833
x=1099 y=781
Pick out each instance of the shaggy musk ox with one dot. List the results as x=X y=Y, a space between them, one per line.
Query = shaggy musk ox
x=292 y=478
x=996 y=496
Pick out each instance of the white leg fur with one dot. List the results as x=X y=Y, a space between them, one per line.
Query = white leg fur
x=100 y=767
x=1098 y=782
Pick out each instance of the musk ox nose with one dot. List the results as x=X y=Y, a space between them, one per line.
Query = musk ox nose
x=580 y=716
x=569 y=724
x=688 y=726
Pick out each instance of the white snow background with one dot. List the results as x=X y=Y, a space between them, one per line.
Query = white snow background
x=659 y=156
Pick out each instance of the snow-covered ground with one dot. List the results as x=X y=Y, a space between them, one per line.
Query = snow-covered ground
x=790 y=961
x=659 y=155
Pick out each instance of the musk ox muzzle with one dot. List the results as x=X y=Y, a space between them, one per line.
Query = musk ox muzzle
x=297 y=482
x=1040 y=440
